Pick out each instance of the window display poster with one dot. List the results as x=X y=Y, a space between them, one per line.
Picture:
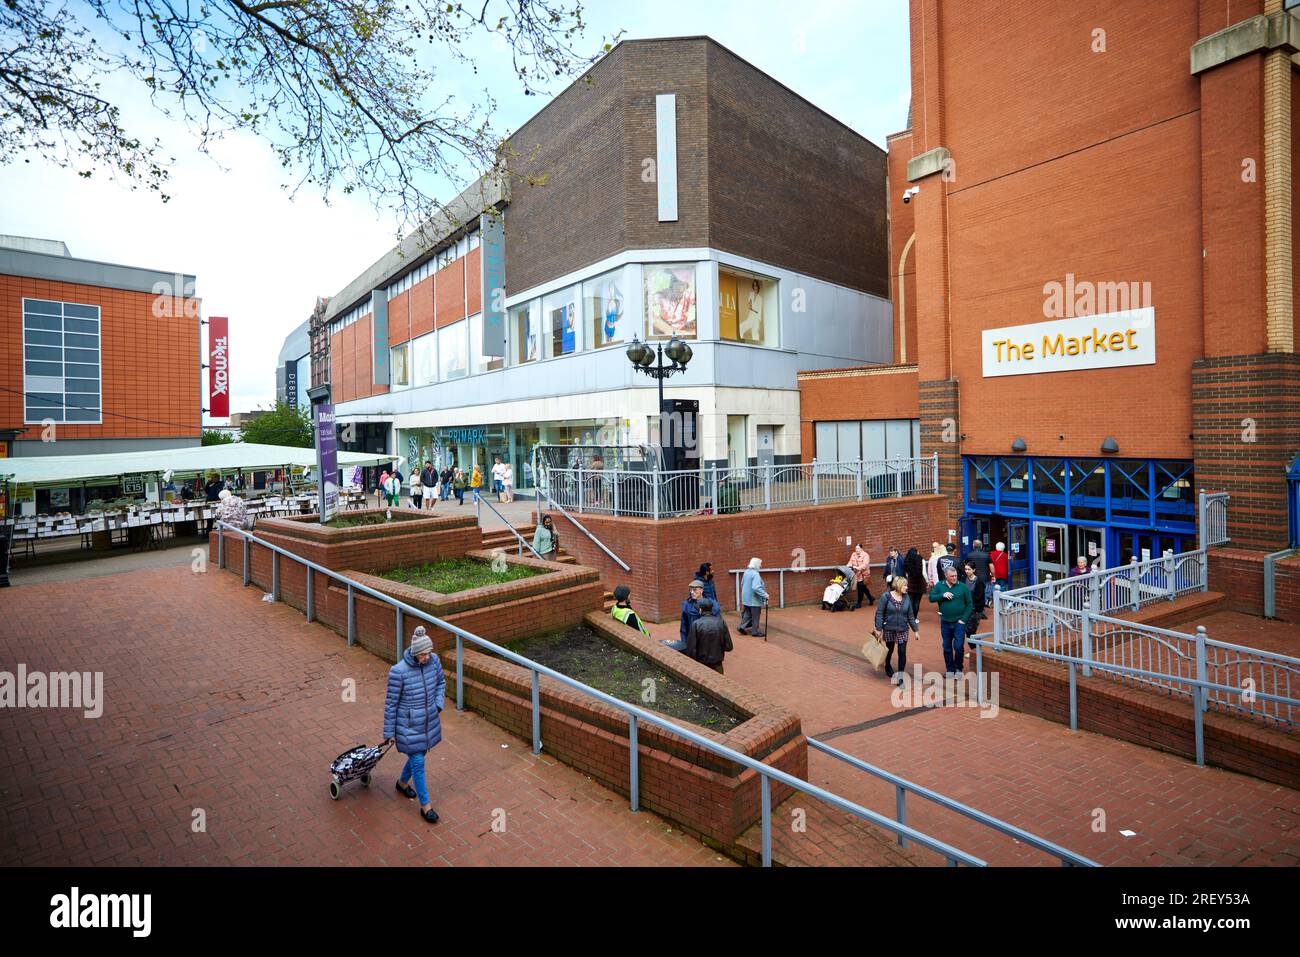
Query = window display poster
x=670 y=300
x=568 y=335
x=612 y=301
x=60 y=497
x=728 y=317
x=751 y=320
x=532 y=333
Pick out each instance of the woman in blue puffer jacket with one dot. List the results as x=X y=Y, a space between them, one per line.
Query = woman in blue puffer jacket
x=417 y=690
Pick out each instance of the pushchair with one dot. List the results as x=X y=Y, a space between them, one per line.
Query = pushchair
x=355 y=763
x=833 y=597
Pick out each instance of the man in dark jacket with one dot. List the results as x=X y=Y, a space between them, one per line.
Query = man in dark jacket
x=709 y=638
x=982 y=562
x=946 y=562
x=690 y=612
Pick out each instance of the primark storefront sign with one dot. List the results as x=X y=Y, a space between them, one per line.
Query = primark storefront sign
x=1125 y=338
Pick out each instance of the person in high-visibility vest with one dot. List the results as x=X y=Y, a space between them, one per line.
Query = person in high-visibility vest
x=623 y=612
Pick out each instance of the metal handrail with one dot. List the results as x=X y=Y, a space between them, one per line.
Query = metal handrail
x=1199 y=686
x=738 y=572
x=478 y=509
x=582 y=528
x=903 y=786
x=766 y=772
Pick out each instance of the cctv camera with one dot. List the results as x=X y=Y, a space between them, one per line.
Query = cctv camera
x=909 y=193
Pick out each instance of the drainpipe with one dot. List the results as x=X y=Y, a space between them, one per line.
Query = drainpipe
x=1270 y=586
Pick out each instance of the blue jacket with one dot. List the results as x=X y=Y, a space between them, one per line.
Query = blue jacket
x=691 y=611
x=894 y=566
x=752 y=592
x=711 y=590
x=416 y=694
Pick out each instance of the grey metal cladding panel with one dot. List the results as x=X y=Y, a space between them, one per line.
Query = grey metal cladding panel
x=296 y=344
x=29 y=448
x=379 y=335
x=666 y=155
x=88 y=272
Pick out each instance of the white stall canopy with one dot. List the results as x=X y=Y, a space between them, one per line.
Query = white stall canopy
x=54 y=471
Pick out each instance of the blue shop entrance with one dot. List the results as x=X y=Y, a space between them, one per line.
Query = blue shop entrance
x=1051 y=511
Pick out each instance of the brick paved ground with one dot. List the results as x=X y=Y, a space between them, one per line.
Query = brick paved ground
x=220 y=702
x=1033 y=773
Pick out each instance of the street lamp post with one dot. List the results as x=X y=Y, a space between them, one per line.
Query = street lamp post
x=641 y=356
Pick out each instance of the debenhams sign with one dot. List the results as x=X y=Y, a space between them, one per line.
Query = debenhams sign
x=1086 y=342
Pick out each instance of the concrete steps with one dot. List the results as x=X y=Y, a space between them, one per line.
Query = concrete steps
x=501 y=538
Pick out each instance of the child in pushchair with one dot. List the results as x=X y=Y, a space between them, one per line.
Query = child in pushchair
x=833 y=597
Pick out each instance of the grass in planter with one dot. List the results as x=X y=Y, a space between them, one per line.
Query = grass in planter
x=592 y=659
x=456 y=574
x=353 y=521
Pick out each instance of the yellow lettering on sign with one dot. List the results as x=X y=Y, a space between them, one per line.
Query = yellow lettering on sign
x=1128 y=337
x=1053 y=347
x=1029 y=350
x=1116 y=341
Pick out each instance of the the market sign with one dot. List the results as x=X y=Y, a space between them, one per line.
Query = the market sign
x=1115 y=339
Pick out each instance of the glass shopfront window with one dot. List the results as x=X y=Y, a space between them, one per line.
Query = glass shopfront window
x=747 y=308
x=670 y=295
x=606 y=310
x=478 y=361
x=399 y=364
x=525 y=332
x=453 y=351
x=424 y=360
x=562 y=328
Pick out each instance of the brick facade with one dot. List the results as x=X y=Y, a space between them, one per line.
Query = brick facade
x=1238 y=574
x=149 y=362
x=665 y=554
x=864 y=393
x=940 y=411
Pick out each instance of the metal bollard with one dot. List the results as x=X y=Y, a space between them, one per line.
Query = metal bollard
x=635 y=761
x=460 y=673
x=351 y=617
x=311 y=595
x=767 y=821
x=248 y=570
x=400 y=629
x=537 y=713
x=900 y=810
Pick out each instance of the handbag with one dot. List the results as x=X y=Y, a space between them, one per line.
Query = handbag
x=875 y=650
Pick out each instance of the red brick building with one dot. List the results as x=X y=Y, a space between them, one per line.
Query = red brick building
x=94 y=357
x=1093 y=271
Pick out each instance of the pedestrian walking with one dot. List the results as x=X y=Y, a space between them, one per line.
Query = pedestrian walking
x=709 y=639
x=914 y=572
x=954 y=601
x=508 y=482
x=946 y=561
x=983 y=563
x=498 y=476
x=753 y=598
x=894 y=619
x=622 y=610
x=546 y=541
x=444 y=479
x=978 y=594
x=931 y=569
x=429 y=482
x=417 y=491
x=458 y=485
x=393 y=490
x=860 y=562
x=416 y=693
x=893 y=565
x=231 y=509
x=1001 y=563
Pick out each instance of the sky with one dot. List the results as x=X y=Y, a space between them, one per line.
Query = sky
x=261 y=258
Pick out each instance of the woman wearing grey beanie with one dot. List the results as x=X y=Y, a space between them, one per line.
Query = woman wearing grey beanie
x=417 y=690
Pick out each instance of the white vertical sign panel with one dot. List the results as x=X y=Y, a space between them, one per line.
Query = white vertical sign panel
x=666 y=155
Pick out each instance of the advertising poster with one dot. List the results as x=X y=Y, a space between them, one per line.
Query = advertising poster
x=611 y=311
x=728 y=306
x=327 y=462
x=568 y=335
x=751 y=319
x=670 y=300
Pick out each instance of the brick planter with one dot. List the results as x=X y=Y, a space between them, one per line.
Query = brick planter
x=711 y=798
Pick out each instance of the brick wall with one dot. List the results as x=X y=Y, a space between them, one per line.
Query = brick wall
x=1239 y=575
x=871 y=392
x=1155 y=721
x=941 y=423
x=149 y=363
x=1246 y=412
x=664 y=555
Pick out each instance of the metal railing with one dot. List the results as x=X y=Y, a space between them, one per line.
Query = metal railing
x=1125 y=587
x=582 y=528
x=635 y=715
x=799 y=570
x=651 y=493
x=1212 y=518
x=903 y=787
x=478 y=515
x=1263 y=682
x=1197 y=689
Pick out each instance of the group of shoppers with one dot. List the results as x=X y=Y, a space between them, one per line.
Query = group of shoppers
x=428 y=486
x=703 y=635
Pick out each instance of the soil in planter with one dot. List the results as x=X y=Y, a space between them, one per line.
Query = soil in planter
x=368 y=518
x=457 y=574
x=591 y=659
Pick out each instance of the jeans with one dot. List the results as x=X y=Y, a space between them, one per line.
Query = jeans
x=954 y=641
x=446 y=491
x=415 y=769
x=679 y=645
x=496 y=487
x=460 y=496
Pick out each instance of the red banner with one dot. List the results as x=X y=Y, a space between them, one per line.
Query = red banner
x=219 y=367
